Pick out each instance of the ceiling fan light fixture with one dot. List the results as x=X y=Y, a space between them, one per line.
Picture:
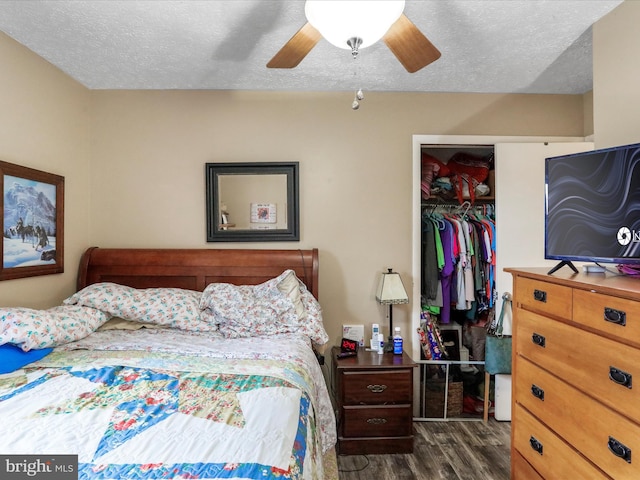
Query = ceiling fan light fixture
x=339 y=20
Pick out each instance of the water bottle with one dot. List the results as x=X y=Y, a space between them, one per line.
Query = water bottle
x=397 y=342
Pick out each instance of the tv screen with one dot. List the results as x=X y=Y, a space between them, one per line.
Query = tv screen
x=592 y=206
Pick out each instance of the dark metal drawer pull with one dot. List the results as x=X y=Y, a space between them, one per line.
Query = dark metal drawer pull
x=615 y=316
x=540 y=296
x=377 y=388
x=377 y=421
x=619 y=449
x=536 y=445
x=538 y=339
x=621 y=378
x=537 y=392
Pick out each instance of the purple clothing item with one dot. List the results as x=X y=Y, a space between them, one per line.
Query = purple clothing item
x=446 y=235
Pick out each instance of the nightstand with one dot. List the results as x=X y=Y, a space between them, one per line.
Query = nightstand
x=374 y=397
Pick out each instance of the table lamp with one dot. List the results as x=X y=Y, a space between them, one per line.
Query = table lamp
x=391 y=292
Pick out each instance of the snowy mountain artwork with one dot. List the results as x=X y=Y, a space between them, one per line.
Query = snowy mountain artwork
x=29 y=222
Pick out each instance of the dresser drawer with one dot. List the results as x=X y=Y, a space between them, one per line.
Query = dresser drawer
x=544 y=297
x=602 y=368
x=387 y=421
x=617 y=317
x=521 y=470
x=590 y=427
x=546 y=452
x=377 y=387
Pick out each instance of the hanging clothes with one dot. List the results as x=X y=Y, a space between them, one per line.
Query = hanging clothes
x=458 y=269
x=429 y=260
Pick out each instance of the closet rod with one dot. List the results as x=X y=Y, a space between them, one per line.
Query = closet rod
x=458 y=209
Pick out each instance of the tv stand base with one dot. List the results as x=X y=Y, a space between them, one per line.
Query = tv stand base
x=562 y=264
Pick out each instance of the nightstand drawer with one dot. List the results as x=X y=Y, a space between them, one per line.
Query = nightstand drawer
x=383 y=421
x=377 y=387
x=374 y=400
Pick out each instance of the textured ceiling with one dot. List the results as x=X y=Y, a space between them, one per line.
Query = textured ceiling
x=488 y=46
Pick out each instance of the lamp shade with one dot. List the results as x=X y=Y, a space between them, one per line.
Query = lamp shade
x=338 y=21
x=391 y=290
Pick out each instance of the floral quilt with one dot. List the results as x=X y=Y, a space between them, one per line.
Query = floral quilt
x=161 y=403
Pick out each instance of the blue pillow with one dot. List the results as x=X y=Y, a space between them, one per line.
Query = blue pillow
x=12 y=357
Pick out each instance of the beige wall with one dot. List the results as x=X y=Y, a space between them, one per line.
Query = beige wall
x=134 y=167
x=44 y=120
x=149 y=151
x=616 y=77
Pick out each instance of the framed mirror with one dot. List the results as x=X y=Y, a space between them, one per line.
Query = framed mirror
x=252 y=202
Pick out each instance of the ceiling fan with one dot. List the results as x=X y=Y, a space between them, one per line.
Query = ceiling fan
x=356 y=24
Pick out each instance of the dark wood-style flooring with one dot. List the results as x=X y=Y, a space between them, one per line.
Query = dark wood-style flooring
x=441 y=451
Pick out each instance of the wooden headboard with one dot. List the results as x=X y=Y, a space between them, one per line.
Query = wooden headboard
x=194 y=269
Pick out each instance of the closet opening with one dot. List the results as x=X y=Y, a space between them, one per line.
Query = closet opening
x=457 y=278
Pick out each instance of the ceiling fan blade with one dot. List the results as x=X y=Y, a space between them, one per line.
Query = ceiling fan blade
x=409 y=45
x=298 y=46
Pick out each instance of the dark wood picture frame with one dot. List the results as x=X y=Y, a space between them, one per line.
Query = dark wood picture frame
x=220 y=230
x=32 y=219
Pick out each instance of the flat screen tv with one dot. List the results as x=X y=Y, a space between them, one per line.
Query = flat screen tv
x=592 y=207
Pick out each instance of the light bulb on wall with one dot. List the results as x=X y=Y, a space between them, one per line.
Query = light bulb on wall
x=339 y=21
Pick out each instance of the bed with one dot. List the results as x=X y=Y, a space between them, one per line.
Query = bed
x=175 y=363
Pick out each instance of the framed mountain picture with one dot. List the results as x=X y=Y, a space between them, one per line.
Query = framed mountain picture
x=32 y=216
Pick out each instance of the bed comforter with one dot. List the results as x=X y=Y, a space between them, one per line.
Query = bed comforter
x=164 y=403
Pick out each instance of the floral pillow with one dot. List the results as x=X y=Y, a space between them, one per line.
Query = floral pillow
x=172 y=307
x=35 y=329
x=270 y=308
x=108 y=297
x=312 y=325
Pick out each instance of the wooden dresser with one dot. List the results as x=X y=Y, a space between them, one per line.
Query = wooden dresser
x=374 y=397
x=576 y=352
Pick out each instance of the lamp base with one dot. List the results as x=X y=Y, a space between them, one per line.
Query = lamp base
x=388 y=346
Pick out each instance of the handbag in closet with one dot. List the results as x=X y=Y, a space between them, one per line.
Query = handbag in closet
x=497 y=348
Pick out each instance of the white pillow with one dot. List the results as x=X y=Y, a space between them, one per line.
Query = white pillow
x=289 y=285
